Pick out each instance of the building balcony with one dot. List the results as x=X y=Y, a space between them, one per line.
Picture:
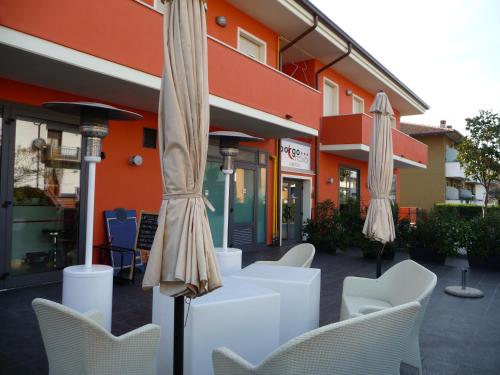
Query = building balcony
x=350 y=135
x=454 y=170
x=62 y=153
x=263 y=100
x=62 y=157
x=452 y=193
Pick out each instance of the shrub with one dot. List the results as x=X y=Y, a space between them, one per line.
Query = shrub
x=440 y=232
x=465 y=211
x=482 y=236
x=349 y=226
x=319 y=230
x=403 y=233
x=333 y=229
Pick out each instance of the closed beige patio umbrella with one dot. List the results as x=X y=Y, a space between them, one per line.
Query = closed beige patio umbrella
x=182 y=259
x=379 y=223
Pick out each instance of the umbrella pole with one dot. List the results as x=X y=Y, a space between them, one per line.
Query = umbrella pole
x=379 y=261
x=179 y=335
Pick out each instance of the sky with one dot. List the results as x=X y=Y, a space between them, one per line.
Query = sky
x=445 y=51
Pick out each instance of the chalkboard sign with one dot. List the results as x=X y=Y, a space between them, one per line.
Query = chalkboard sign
x=148 y=222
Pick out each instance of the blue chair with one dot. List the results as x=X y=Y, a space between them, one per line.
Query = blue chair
x=121 y=229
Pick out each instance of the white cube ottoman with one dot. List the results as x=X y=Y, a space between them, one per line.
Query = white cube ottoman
x=241 y=316
x=299 y=289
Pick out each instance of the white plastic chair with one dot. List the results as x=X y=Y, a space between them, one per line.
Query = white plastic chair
x=368 y=345
x=78 y=344
x=404 y=282
x=300 y=255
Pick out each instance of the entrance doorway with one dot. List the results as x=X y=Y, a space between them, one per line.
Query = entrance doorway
x=292 y=211
x=247 y=198
x=39 y=199
x=242 y=209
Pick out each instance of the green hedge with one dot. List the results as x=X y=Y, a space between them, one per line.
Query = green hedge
x=465 y=211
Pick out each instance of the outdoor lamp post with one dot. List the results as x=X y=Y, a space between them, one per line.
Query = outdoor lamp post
x=229 y=258
x=90 y=286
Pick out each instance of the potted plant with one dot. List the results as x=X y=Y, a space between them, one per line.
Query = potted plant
x=434 y=237
x=319 y=230
x=371 y=248
x=348 y=225
x=482 y=240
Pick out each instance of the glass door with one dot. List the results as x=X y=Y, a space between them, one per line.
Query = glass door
x=291 y=211
x=43 y=200
x=213 y=189
x=247 y=198
x=243 y=224
x=349 y=187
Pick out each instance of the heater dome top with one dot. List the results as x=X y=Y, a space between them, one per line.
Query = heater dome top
x=242 y=137
x=105 y=111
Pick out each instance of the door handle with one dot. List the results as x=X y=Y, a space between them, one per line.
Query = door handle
x=6 y=204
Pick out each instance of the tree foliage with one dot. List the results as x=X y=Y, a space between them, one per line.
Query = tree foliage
x=479 y=152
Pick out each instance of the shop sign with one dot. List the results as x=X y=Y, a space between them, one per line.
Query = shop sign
x=295 y=154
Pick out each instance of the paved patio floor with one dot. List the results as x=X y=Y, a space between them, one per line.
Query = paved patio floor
x=458 y=336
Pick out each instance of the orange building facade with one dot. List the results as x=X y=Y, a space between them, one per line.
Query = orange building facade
x=316 y=126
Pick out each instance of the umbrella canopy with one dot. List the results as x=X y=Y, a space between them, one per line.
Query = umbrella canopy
x=182 y=258
x=379 y=223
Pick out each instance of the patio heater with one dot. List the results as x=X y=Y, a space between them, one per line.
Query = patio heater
x=90 y=286
x=229 y=258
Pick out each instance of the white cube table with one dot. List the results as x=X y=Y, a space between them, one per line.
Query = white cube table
x=241 y=316
x=299 y=289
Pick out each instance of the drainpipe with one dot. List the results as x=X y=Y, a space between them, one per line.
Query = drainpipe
x=316 y=143
x=316 y=173
x=329 y=65
x=294 y=41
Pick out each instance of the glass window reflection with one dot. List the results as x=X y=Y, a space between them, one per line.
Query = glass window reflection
x=46 y=196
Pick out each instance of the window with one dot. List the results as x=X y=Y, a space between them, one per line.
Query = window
x=251 y=45
x=348 y=186
x=358 y=104
x=330 y=98
x=46 y=195
x=149 y=138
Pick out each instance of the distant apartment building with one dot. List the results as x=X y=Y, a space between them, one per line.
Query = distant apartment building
x=444 y=179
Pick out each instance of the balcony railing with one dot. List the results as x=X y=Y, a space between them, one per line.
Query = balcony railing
x=244 y=80
x=63 y=153
x=454 y=170
x=350 y=136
